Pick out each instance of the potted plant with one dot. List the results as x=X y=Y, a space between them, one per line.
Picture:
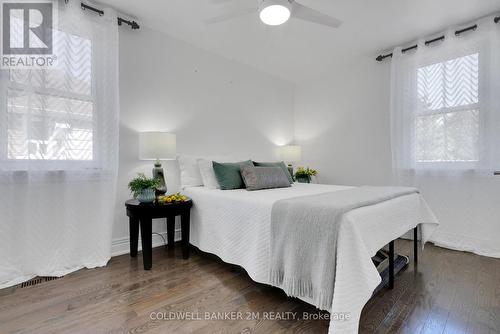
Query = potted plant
x=143 y=188
x=303 y=175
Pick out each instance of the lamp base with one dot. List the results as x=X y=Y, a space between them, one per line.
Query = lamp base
x=158 y=174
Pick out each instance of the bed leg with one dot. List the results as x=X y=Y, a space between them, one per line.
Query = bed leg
x=415 y=245
x=391 y=265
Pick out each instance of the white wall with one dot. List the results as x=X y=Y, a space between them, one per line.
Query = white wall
x=343 y=125
x=214 y=105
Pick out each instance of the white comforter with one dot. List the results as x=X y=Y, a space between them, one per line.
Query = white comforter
x=235 y=225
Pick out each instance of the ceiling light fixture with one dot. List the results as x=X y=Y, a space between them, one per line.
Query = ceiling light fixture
x=275 y=12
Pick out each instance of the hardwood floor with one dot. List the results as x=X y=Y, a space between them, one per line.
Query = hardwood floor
x=451 y=292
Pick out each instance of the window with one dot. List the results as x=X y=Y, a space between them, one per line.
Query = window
x=447 y=117
x=445 y=105
x=50 y=113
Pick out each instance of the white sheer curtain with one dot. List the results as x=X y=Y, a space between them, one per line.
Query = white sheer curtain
x=446 y=129
x=59 y=152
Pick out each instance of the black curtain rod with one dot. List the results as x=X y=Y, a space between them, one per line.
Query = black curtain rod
x=437 y=39
x=120 y=21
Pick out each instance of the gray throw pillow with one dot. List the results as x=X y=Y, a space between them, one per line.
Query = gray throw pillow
x=257 y=178
x=280 y=164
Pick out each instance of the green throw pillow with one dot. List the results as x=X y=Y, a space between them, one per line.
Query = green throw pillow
x=228 y=174
x=280 y=164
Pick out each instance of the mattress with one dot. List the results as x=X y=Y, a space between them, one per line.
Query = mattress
x=235 y=225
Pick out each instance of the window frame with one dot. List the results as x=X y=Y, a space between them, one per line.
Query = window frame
x=7 y=84
x=479 y=106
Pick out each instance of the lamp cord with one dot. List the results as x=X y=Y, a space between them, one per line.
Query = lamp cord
x=164 y=241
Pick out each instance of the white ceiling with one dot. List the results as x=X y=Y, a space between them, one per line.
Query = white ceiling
x=298 y=50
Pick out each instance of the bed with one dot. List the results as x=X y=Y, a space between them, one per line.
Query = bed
x=235 y=225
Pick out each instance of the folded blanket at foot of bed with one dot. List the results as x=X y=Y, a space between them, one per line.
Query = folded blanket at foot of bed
x=304 y=234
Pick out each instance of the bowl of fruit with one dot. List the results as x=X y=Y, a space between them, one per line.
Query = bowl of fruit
x=171 y=199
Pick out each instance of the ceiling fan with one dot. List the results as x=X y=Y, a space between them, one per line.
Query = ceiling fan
x=276 y=12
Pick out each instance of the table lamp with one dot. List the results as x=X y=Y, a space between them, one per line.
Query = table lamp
x=157 y=146
x=291 y=154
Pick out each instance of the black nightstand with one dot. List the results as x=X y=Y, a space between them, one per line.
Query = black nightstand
x=142 y=214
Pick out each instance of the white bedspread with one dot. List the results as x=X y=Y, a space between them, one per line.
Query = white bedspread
x=235 y=225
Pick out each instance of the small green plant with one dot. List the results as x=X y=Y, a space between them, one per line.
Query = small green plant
x=305 y=172
x=141 y=182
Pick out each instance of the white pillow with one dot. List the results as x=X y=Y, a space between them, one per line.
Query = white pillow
x=207 y=174
x=207 y=170
x=190 y=173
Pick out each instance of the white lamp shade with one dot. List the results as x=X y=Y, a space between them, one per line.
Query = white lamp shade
x=157 y=145
x=291 y=153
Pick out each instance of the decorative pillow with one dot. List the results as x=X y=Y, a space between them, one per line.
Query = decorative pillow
x=280 y=164
x=228 y=174
x=257 y=178
x=190 y=173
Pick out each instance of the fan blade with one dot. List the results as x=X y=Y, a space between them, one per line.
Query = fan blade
x=230 y=15
x=311 y=15
x=219 y=2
